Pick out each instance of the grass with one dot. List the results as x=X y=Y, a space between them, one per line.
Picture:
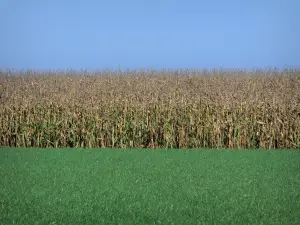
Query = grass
x=78 y=186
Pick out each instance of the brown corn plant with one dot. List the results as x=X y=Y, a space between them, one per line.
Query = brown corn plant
x=151 y=109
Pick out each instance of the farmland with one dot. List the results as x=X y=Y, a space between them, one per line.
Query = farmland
x=104 y=124
x=151 y=109
x=142 y=186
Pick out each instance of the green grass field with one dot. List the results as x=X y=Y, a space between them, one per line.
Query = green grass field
x=93 y=186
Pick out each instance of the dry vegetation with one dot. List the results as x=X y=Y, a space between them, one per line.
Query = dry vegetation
x=153 y=109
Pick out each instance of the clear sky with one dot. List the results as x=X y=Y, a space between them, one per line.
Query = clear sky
x=58 y=34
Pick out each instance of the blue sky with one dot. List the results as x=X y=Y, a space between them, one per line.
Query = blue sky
x=92 y=35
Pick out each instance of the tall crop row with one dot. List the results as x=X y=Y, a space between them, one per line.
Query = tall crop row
x=151 y=109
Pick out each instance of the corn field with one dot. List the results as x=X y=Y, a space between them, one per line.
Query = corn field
x=151 y=109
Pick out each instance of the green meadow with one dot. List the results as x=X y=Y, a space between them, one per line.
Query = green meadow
x=110 y=186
